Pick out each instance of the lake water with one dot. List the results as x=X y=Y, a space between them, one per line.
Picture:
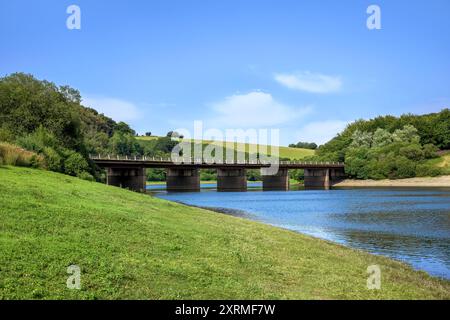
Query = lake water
x=412 y=225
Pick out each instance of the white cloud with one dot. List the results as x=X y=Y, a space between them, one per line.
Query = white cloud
x=254 y=109
x=320 y=131
x=117 y=109
x=310 y=82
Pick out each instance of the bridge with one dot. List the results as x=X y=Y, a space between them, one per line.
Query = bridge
x=184 y=174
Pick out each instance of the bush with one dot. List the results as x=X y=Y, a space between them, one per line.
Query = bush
x=86 y=176
x=412 y=152
x=405 y=168
x=6 y=135
x=75 y=164
x=425 y=170
x=430 y=151
x=53 y=159
x=38 y=140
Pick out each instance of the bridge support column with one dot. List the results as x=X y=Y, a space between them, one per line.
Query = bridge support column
x=182 y=179
x=336 y=175
x=128 y=178
x=278 y=181
x=231 y=179
x=317 y=178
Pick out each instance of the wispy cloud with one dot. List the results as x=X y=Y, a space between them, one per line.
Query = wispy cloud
x=117 y=109
x=320 y=131
x=254 y=109
x=310 y=82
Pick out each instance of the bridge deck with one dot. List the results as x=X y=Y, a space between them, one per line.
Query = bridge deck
x=150 y=162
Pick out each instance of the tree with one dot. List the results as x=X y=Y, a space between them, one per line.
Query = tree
x=408 y=134
x=124 y=128
x=174 y=134
x=361 y=139
x=124 y=144
x=304 y=145
x=148 y=134
x=381 y=138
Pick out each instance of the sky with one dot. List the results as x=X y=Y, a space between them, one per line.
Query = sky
x=307 y=68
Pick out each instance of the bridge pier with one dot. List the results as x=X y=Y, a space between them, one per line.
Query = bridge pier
x=183 y=179
x=231 y=179
x=128 y=178
x=337 y=175
x=323 y=178
x=278 y=181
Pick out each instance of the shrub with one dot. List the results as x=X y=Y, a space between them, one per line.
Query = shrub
x=430 y=151
x=412 y=152
x=53 y=159
x=426 y=170
x=6 y=135
x=405 y=168
x=75 y=164
x=38 y=140
x=86 y=176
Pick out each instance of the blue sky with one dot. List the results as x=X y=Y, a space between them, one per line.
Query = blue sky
x=305 y=67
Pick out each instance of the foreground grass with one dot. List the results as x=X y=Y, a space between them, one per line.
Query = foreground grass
x=131 y=245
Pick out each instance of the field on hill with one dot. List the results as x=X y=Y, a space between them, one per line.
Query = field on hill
x=285 y=152
x=133 y=246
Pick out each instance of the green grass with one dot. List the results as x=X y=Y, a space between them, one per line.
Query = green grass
x=147 y=138
x=130 y=245
x=285 y=152
x=442 y=162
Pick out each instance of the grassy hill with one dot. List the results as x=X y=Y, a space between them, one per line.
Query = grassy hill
x=130 y=245
x=285 y=152
x=442 y=162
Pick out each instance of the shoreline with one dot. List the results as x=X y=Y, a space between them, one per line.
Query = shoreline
x=418 y=182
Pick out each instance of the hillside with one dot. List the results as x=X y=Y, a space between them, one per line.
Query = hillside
x=130 y=245
x=285 y=152
x=389 y=147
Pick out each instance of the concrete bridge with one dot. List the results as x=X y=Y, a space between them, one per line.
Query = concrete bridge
x=184 y=174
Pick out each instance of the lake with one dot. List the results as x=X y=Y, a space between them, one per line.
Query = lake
x=411 y=225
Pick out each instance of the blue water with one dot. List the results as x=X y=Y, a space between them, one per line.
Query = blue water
x=411 y=225
x=204 y=185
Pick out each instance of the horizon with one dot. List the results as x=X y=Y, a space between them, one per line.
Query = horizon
x=306 y=68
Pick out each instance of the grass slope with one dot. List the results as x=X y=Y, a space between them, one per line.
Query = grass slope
x=442 y=162
x=285 y=152
x=131 y=245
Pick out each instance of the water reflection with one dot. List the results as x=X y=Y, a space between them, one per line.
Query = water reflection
x=412 y=225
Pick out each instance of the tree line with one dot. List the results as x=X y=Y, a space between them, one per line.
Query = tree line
x=390 y=147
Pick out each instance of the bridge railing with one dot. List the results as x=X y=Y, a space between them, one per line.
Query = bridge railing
x=190 y=160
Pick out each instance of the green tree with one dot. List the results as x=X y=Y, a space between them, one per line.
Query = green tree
x=381 y=138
